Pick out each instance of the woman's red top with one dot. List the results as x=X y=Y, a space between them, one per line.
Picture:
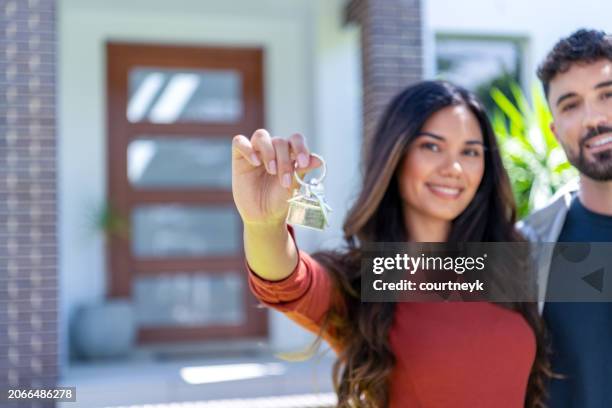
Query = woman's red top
x=448 y=354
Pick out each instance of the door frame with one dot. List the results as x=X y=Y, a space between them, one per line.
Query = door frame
x=122 y=265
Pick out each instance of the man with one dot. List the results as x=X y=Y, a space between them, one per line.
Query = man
x=577 y=80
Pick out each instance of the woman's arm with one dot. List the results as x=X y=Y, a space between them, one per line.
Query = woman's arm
x=270 y=250
x=304 y=295
x=280 y=275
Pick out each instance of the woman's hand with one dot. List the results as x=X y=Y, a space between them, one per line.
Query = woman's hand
x=262 y=175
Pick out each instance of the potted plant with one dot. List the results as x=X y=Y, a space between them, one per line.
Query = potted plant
x=107 y=328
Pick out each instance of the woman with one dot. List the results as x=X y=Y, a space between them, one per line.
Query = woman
x=433 y=174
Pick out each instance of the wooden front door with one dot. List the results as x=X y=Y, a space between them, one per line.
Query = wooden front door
x=172 y=112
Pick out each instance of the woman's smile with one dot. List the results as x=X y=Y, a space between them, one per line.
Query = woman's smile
x=444 y=191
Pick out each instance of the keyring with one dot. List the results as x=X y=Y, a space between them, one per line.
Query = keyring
x=315 y=181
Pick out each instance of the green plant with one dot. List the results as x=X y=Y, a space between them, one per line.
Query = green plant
x=536 y=163
x=107 y=220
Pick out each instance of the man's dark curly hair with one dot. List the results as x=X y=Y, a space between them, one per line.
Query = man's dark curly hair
x=583 y=46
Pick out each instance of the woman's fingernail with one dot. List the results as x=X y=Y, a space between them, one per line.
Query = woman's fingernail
x=272 y=166
x=302 y=160
x=286 y=180
x=255 y=159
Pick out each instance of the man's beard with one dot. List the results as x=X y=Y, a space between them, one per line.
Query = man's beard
x=599 y=169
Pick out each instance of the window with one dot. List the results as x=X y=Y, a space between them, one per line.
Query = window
x=479 y=63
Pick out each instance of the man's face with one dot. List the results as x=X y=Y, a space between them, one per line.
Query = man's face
x=581 y=103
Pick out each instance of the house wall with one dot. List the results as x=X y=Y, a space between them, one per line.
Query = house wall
x=311 y=86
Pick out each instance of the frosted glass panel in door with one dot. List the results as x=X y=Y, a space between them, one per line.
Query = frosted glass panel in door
x=173 y=230
x=164 y=96
x=181 y=299
x=175 y=162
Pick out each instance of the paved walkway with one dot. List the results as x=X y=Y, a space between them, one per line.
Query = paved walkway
x=327 y=400
x=206 y=381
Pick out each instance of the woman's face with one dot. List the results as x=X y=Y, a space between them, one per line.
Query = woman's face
x=443 y=167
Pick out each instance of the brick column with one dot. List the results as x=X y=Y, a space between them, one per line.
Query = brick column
x=28 y=210
x=392 y=52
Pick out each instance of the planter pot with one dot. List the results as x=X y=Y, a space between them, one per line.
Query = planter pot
x=106 y=330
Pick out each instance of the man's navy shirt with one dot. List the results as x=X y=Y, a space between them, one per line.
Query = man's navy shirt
x=581 y=333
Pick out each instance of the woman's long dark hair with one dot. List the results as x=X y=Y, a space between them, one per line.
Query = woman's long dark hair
x=361 y=330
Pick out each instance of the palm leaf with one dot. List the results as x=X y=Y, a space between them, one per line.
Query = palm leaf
x=535 y=162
